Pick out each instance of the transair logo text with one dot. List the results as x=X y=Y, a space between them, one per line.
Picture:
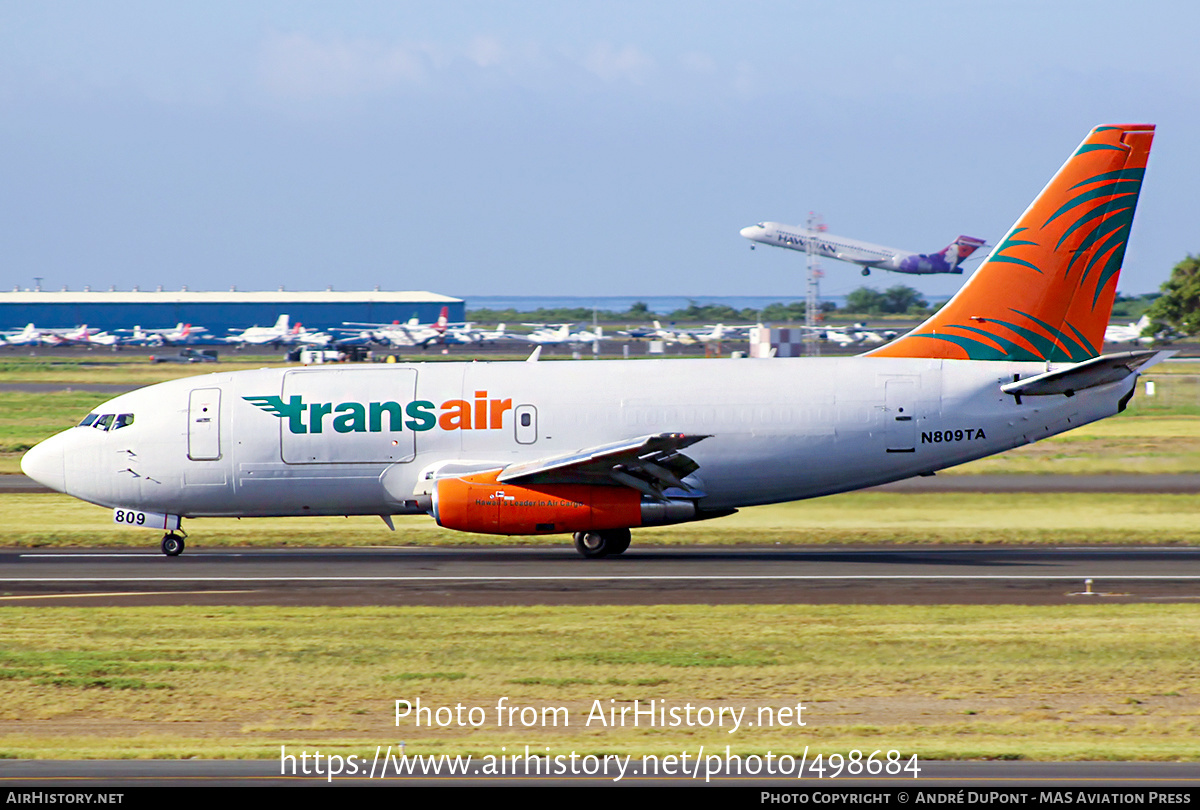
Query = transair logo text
x=380 y=417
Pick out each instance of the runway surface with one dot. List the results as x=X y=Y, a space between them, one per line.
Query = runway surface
x=648 y=575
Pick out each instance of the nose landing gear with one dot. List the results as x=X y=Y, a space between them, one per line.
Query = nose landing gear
x=172 y=544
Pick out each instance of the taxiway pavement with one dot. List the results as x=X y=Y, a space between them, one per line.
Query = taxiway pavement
x=643 y=575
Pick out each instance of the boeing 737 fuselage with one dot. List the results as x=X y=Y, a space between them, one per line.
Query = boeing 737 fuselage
x=598 y=448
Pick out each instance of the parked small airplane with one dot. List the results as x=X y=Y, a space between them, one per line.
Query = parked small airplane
x=857 y=334
x=497 y=334
x=595 y=449
x=549 y=334
x=415 y=333
x=668 y=334
x=79 y=336
x=29 y=336
x=181 y=333
x=869 y=256
x=281 y=334
x=307 y=337
x=1138 y=333
x=712 y=333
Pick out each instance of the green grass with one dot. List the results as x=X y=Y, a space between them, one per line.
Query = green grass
x=1127 y=444
x=39 y=520
x=27 y=418
x=1079 y=682
x=114 y=368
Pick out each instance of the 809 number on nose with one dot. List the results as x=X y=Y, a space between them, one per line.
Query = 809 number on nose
x=145 y=520
x=131 y=518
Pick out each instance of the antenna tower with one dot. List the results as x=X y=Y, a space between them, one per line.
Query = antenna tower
x=812 y=305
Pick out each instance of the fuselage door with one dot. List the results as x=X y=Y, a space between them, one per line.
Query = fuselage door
x=204 y=424
x=525 y=424
x=900 y=414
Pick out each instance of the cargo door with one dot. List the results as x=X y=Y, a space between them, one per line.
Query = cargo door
x=204 y=424
x=348 y=416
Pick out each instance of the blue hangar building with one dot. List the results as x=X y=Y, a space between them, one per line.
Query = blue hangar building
x=219 y=312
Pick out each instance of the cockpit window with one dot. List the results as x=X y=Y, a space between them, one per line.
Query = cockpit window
x=107 y=421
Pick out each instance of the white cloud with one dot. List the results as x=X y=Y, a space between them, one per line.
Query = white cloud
x=487 y=51
x=299 y=67
x=626 y=64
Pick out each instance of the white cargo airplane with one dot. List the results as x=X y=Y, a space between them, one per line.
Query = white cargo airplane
x=596 y=449
x=870 y=257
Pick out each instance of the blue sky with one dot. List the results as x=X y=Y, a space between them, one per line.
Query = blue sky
x=562 y=148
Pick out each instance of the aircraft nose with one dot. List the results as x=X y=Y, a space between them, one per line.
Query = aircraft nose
x=750 y=231
x=44 y=464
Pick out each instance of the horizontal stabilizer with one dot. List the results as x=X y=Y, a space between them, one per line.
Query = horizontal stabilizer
x=1108 y=368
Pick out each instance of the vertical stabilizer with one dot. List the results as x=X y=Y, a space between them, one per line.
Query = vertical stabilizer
x=961 y=249
x=1046 y=290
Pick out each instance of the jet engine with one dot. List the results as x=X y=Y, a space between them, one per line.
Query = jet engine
x=478 y=503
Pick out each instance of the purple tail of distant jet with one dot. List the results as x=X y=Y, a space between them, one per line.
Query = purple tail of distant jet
x=947 y=260
x=868 y=256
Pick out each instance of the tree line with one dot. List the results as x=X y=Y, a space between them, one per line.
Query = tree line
x=1175 y=307
x=898 y=300
x=1178 y=305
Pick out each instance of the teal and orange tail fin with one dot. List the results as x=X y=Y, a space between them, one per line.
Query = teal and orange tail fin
x=1046 y=291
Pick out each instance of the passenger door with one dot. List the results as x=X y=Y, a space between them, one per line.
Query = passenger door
x=204 y=424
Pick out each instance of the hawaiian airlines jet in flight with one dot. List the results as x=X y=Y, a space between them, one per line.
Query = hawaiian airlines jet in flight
x=871 y=257
x=599 y=448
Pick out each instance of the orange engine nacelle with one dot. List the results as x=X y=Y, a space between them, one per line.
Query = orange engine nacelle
x=477 y=503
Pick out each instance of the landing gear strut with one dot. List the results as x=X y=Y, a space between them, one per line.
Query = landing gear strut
x=172 y=544
x=605 y=543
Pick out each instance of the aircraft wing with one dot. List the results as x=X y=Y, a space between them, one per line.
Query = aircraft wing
x=857 y=257
x=650 y=464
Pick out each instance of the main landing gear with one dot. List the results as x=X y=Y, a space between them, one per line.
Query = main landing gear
x=602 y=543
x=172 y=544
